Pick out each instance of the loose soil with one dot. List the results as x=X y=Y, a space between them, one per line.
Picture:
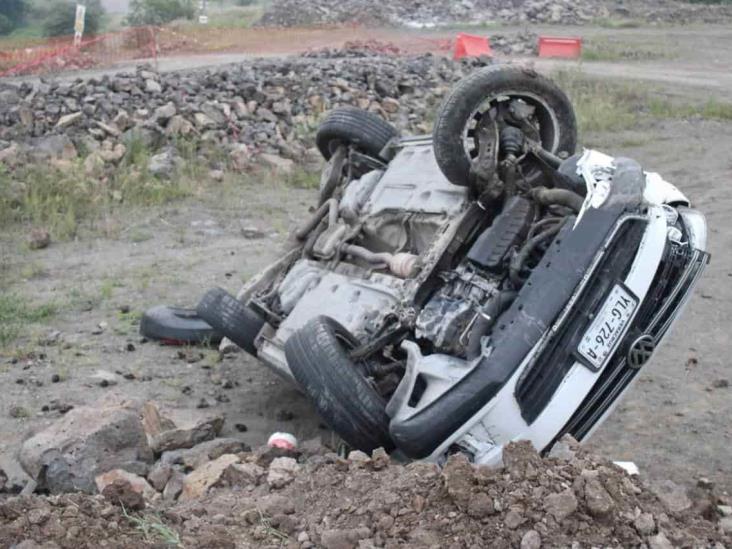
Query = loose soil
x=574 y=499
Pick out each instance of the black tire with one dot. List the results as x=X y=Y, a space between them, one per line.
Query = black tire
x=556 y=115
x=231 y=318
x=177 y=326
x=317 y=355
x=364 y=130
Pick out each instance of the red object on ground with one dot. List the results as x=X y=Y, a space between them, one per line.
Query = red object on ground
x=470 y=45
x=554 y=46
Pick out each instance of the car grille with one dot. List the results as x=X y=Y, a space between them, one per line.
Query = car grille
x=536 y=386
x=678 y=272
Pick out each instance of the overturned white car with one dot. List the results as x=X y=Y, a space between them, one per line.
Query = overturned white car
x=455 y=292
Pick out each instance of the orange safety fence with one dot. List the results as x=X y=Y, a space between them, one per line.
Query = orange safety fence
x=60 y=54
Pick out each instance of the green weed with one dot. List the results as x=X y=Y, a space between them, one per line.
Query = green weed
x=153 y=529
x=16 y=313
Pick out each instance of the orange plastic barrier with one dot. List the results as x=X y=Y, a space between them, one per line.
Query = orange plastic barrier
x=470 y=45
x=553 y=46
x=62 y=54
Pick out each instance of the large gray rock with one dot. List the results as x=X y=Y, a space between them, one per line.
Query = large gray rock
x=87 y=441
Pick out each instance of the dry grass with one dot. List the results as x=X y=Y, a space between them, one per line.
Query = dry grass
x=620 y=49
x=604 y=106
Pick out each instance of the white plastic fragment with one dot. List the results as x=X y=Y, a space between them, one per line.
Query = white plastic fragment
x=628 y=466
x=286 y=441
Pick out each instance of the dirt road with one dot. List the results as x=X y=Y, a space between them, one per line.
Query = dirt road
x=675 y=423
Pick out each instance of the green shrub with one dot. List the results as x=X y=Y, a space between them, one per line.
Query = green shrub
x=158 y=12
x=6 y=25
x=12 y=15
x=60 y=16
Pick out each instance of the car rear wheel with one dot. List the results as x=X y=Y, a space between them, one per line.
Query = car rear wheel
x=231 y=318
x=490 y=91
x=365 y=131
x=318 y=356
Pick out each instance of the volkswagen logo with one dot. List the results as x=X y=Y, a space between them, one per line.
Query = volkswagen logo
x=641 y=351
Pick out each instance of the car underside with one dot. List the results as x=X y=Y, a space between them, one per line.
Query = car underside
x=455 y=292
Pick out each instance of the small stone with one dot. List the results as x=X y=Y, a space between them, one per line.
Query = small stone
x=240 y=157
x=103 y=378
x=241 y=427
x=39 y=515
x=68 y=119
x=705 y=483
x=277 y=163
x=726 y=525
x=119 y=476
x=152 y=86
x=660 y=541
x=159 y=476
x=531 y=540
x=178 y=126
x=252 y=233
x=725 y=510
x=512 y=520
x=174 y=486
x=164 y=164
x=644 y=524
x=178 y=429
x=39 y=239
x=282 y=471
x=481 y=505
x=598 y=500
x=111 y=129
x=379 y=459
x=720 y=383
x=204 y=477
x=165 y=113
x=243 y=474
x=561 y=505
x=390 y=105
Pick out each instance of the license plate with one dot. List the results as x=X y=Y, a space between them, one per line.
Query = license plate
x=609 y=325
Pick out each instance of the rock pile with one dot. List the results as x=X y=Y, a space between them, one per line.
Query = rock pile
x=311 y=498
x=264 y=107
x=414 y=13
x=418 y=14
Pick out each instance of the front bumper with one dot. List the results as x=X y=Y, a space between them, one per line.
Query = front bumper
x=534 y=387
x=663 y=274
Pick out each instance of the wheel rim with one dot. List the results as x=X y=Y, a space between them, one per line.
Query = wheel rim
x=361 y=365
x=545 y=119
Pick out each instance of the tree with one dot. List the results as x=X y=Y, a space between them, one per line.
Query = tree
x=12 y=15
x=61 y=15
x=158 y=12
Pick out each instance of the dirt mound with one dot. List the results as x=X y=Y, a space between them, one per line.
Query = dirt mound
x=326 y=501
